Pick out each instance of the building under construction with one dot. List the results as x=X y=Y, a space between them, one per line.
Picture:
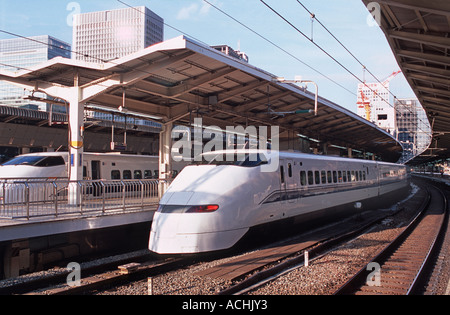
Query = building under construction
x=374 y=103
x=405 y=119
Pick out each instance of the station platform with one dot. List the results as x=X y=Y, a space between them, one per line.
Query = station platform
x=14 y=229
x=29 y=245
x=437 y=177
x=41 y=225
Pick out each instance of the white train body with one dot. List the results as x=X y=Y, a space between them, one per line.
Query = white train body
x=49 y=166
x=106 y=166
x=211 y=207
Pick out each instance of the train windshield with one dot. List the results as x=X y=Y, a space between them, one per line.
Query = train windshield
x=39 y=161
x=236 y=159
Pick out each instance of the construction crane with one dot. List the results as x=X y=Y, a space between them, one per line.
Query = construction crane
x=386 y=82
x=389 y=78
x=365 y=102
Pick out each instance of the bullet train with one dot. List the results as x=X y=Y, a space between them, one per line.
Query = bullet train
x=51 y=166
x=213 y=205
x=107 y=166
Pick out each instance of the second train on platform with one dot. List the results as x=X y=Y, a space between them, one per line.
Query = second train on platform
x=96 y=166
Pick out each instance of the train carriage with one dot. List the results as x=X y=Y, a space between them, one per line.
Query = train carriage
x=213 y=205
x=35 y=168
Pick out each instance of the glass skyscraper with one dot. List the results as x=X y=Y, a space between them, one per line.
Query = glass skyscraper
x=413 y=127
x=107 y=35
x=21 y=54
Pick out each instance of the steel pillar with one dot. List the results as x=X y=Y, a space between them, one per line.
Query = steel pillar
x=76 y=142
x=165 y=158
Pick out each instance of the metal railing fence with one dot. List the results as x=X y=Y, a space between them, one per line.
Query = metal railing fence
x=37 y=198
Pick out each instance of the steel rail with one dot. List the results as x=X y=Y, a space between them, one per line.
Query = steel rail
x=359 y=280
x=314 y=252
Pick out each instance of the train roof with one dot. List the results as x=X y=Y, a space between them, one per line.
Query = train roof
x=111 y=154
x=295 y=155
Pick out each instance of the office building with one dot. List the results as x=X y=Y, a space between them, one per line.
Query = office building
x=21 y=54
x=374 y=103
x=413 y=127
x=107 y=35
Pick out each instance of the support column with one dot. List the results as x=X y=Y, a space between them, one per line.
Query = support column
x=325 y=148
x=76 y=143
x=350 y=152
x=165 y=158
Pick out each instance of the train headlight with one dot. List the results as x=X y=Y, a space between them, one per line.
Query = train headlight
x=187 y=209
x=202 y=209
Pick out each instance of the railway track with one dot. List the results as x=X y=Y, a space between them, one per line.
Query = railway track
x=314 y=250
x=248 y=280
x=98 y=276
x=115 y=277
x=400 y=268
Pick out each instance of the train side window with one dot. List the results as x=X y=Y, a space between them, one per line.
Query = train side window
x=329 y=177
x=155 y=174
x=334 y=177
x=282 y=174
x=148 y=174
x=357 y=176
x=360 y=175
x=324 y=177
x=290 y=169
x=115 y=174
x=127 y=174
x=364 y=175
x=344 y=176
x=353 y=176
x=303 y=178
x=317 y=177
x=137 y=174
x=339 y=176
x=51 y=161
x=310 y=178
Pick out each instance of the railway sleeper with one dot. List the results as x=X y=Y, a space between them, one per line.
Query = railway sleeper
x=381 y=290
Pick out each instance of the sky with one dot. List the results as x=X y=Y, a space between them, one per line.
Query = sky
x=348 y=20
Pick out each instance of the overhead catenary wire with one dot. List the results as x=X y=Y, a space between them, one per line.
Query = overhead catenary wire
x=314 y=16
x=277 y=46
x=250 y=29
x=331 y=56
x=113 y=62
x=310 y=40
x=178 y=30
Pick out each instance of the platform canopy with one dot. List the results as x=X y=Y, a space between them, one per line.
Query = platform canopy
x=418 y=32
x=180 y=79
